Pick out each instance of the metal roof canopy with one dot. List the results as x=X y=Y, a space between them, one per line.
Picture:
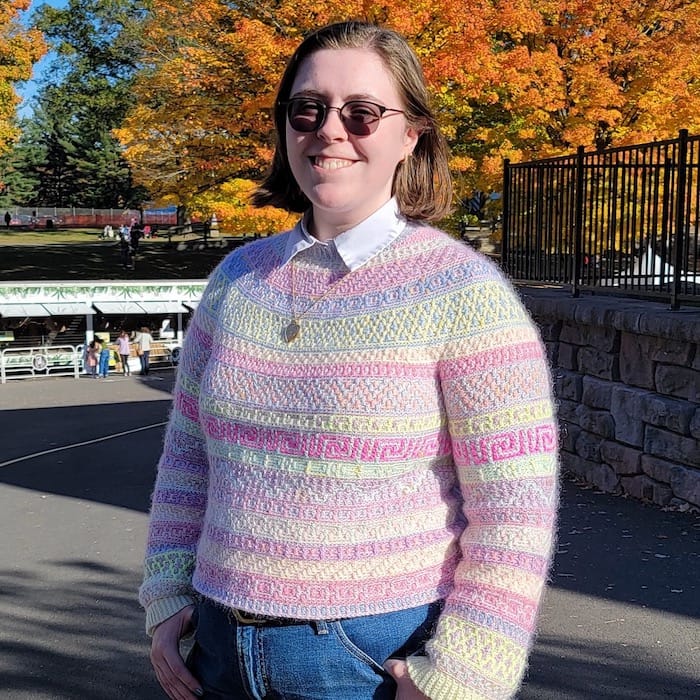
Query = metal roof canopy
x=68 y=308
x=163 y=307
x=22 y=310
x=118 y=307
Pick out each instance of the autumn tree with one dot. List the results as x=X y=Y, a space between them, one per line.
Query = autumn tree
x=510 y=78
x=74 y=156
x=20 y=48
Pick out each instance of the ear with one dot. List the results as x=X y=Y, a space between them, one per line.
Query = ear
x=410 y=140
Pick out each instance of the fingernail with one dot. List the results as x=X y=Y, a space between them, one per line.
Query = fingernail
x=199 y=692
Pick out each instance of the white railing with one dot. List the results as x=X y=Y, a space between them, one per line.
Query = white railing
x=67 y=360
x=43 y=361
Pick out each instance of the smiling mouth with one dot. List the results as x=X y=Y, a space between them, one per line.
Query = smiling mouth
x=331 y=163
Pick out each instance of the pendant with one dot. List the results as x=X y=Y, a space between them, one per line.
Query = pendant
x=291 y=330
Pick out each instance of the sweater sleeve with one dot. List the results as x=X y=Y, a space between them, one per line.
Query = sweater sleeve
x=180 y=493
x=500 y=412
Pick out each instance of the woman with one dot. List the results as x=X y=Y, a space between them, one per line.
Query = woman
x=357 y=493
x=124 y=350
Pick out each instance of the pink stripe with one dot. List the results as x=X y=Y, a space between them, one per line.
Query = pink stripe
x=233 y=358
x=505 y=604
x=187 y=405
x=532 y=563
x=330 y=595
x=326 y=445
x=504 y=446
x=491 y=359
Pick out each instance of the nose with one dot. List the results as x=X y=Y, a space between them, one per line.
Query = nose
x=332 y=128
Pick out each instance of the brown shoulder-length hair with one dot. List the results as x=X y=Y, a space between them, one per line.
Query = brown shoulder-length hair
x=422 y=184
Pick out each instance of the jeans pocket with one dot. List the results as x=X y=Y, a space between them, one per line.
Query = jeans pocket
x=353 y=647
x=375 y=638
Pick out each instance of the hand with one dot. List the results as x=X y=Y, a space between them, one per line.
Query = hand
x=172 y=674
x=406 y=690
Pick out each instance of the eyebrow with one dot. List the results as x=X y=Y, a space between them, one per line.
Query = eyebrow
x=350 y=98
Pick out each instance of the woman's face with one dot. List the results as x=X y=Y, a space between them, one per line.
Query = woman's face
x=347 y=177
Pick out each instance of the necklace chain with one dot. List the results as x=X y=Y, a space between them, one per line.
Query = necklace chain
x=292 y=329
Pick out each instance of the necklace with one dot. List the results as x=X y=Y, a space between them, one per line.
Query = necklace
x=292 y=329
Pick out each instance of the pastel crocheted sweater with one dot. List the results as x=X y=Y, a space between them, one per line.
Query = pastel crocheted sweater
x=400 y=450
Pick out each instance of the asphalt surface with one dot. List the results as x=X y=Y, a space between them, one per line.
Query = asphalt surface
x=621 y=618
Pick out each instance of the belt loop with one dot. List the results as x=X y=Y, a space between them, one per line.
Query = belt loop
x=320 y=626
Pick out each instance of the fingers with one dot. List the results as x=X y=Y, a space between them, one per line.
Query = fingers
x=397 y=669
x=173 y=676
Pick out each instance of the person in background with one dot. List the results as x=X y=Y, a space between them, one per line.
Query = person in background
x=8 y=219
x=92 y=357
x=357 y=493
x=143 y=342
x=124 y=350
x=104 y=357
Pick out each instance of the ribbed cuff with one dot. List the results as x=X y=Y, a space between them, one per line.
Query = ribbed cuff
x=436 y=685
x=163 y=608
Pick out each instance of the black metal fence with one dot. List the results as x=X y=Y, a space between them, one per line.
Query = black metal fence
x=624 y=220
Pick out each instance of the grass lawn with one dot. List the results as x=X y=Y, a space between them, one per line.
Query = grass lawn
x=79 y=254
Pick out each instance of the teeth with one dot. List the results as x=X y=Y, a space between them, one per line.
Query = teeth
x=332 y=163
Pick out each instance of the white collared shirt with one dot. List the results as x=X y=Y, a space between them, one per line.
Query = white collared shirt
x=358 y=244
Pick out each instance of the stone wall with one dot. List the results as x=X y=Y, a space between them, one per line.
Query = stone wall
x=627 y=377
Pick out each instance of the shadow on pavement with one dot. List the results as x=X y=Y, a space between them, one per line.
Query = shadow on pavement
x=560 y=668
x=73 y=630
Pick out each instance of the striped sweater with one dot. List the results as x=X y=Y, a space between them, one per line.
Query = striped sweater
x=401 y=449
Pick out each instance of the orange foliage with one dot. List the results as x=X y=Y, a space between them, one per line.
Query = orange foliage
x=510 y=78
x=20 y=48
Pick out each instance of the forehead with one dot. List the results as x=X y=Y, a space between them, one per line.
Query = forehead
x=344 y=73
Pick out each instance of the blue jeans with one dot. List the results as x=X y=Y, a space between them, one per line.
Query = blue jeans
x=104 y=363
x=326 y=660
x=144 y=358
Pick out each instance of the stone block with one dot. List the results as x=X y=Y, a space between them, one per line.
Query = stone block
x=625 y=408
x=683 y=382
x=566 y=411
x=572 y=333
x=594 y=473
x=646 y=489
x=568 y=433
x=671 y=446
x=567 y=384
x=695 y=423
x=567 y=356
x=670 y=352
x=550 y=331
x=658 y=469
x=552 y=350
x=588 y=446
x=664 y=412
x=596 y=393
x=636 y=365
x=600 y=364
x=595 y=421
x=686 y=484
x=603 y=338
x=624 y=460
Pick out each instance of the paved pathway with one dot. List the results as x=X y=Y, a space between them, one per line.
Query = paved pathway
x=621 y=618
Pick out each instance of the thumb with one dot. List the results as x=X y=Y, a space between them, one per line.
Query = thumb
x=396 y=668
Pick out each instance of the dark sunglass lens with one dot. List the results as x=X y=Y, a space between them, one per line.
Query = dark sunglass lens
x=305 y=115
x=361 y=118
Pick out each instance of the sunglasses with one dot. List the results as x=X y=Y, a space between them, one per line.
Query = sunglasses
x=359 y=117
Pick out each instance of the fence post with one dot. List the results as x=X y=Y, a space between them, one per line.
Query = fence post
x=679 y=219
x=578 y=223
x=505 y=216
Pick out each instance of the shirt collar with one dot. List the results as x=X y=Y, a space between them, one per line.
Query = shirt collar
x=357 y=245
